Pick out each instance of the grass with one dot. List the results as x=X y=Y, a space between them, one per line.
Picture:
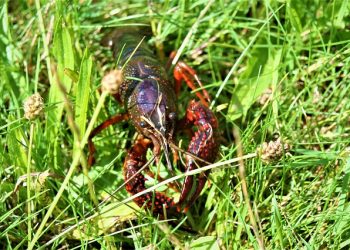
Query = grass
x=273 y=68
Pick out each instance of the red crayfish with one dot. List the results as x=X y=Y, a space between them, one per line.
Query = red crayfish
x=149 y=98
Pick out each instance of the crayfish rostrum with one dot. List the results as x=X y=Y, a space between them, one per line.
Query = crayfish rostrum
x=149 y=97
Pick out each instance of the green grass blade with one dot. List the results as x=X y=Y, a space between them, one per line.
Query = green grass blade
x=63 y=52
x=83 y=95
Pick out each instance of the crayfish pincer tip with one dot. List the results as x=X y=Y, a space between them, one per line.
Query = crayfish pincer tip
x=182 y=210
x=178 y=208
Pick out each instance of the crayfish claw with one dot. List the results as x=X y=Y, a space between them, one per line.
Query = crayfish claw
x=187 y=187
x=203 y=147
x=187 y=198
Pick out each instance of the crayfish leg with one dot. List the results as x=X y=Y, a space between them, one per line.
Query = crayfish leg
x=135 y=180
x=183 y=72
x=110 y=121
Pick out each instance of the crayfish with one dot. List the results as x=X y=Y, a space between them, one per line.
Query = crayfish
x=149 y=98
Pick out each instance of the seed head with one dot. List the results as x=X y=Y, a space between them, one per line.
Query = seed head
x=272 y=151
x=33 y=106
x=112 y=80
x=265 y=97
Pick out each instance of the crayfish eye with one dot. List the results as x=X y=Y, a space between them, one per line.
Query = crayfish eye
x=143 y=124
x=172 y=116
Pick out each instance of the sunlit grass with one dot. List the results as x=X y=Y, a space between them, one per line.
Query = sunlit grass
x=273 y=69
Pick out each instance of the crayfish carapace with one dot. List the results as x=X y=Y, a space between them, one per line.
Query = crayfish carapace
x=149 y=98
